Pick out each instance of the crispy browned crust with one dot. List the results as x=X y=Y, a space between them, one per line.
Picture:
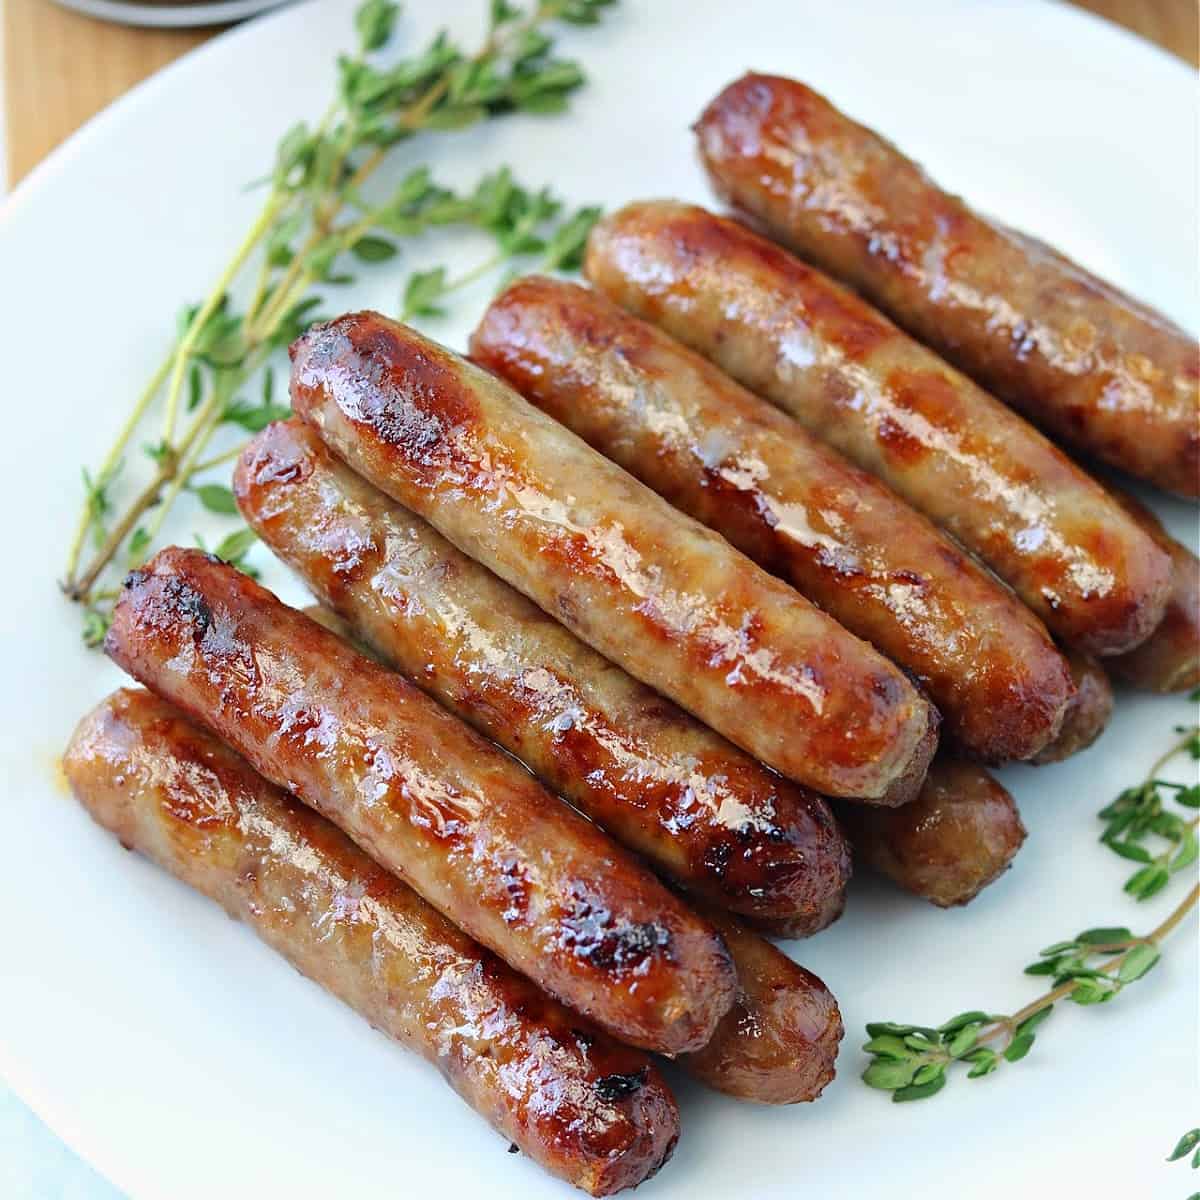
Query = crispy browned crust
x=584 y=1107
x=665 y=785
x=1169 y=659
x=852 y=378
x=779 y=1042
x=1088 y=713
x=427 y=797
x=650 y=589
x=1092 y=366
x=958 y=836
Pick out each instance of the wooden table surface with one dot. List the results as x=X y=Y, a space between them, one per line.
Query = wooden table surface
x=60 y=68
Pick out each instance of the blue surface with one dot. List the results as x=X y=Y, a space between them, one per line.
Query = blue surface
x=35 y=1165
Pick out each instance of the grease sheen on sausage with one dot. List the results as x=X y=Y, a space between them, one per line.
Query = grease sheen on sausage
x=1089 y=364
x=584 y=1107
x=649 y=588
x=790 y=503
x=427 y=797
x=956 y=837
x=696 y=807
x=779 y=1041
x=852 y=378
x=1169 y=659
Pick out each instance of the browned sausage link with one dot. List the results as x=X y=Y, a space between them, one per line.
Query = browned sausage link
x=1088 y=713
x=800 y=924
x=582 y=1106
x=790 y=503
x=954 y=839
x=852 y=378
x=1169 y=659
x=649 y=588
x=427 y=797
x=665 y=785
x=779 y=1041
x=1087 y=363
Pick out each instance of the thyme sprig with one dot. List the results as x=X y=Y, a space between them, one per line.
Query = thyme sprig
x=1141 y=812
x=913 y=1062
x=315 y=222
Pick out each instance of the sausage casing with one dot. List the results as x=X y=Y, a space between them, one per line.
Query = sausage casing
x=853 y=379
x=954 y=839
x=427 y=797
x=1088 y=712
x=779 y=1041
x=585 y=1108
x=696 y=807
x=650 y=589
x=787 y=501
x=1169 y=659
x=1090 y=365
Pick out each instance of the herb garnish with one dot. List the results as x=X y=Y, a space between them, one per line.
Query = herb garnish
x=912 y=1061
x=314 y=221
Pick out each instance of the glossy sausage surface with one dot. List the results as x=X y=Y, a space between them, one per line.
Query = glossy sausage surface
x=1088 y=713
x=1087 y=363
x=1169 y=659
x=852 y=378
x=779 y=1041
x=427 y=797
x=666 y=786
x=787 y=501
x=956 y=837
x=587 y=1109
x=649 y=588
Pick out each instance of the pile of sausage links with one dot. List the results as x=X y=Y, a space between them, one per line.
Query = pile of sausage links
x=637 y=626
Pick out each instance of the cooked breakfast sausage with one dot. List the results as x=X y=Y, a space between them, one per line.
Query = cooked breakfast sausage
x=1169 y=659
x=1085 y=362
x=427 y=797
x=585 y=1108
x=954 y=839
x=696 y=807
x=790 y=503
x=779 y=1041
x=852 y=378
x=652 y=590
x=1087 y=714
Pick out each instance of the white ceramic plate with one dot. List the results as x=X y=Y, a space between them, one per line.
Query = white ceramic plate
x=184 y=1059
x=171 y=16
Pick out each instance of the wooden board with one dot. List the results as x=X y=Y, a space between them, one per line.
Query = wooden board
x=60 y=67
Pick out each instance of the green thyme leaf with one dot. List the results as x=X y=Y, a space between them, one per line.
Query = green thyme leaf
x=216 y=497
x=921 y=1091
x=1138 y=961
x=888 y=1074
x=887 y=1046
x=1104 y=935
x=1185 y=1145
x=232 y=547
x=422 y=292
x=372 y=249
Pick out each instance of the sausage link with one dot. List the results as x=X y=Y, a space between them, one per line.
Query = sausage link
x=779 y=1041
x=585 y=1108
x=1169 y=659
x=697 y=808
x=1088 y=364
x=650 y=589
x=954 y=839
x=427 y=797
x=1088 y=713
x=790 y=503
x=853 y=379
